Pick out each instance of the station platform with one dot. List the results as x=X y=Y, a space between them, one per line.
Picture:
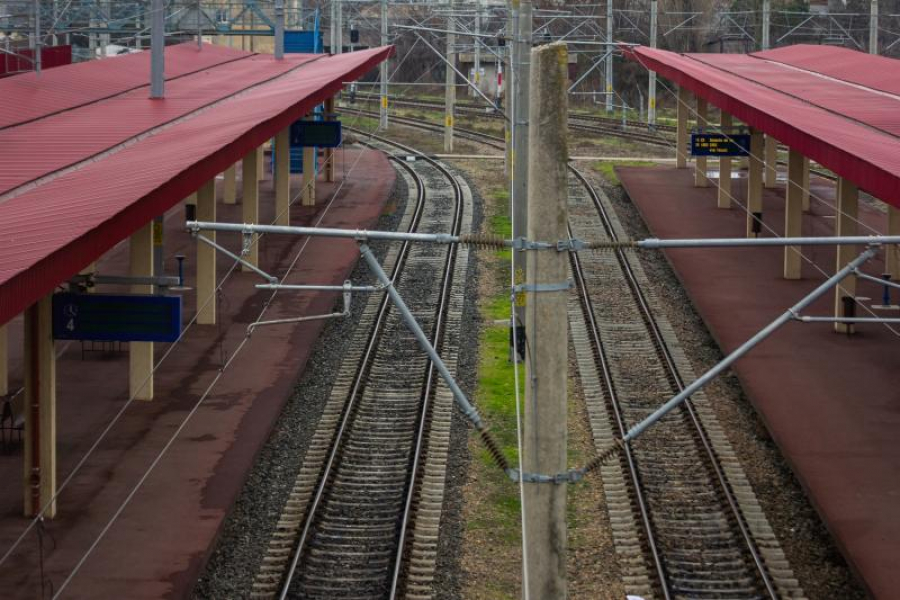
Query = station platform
x=830 y=401
x=158 y=545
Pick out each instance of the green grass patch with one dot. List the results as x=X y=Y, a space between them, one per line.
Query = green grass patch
x=607 y=168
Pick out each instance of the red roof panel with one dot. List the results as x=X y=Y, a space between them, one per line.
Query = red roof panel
x=869 y=70
x=30 y=96
x=873 y=108
x=49 y=233
x=41 y=147
x=870 y=159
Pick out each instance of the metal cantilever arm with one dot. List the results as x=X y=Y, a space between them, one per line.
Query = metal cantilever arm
x=348 y=288
x=230 y=254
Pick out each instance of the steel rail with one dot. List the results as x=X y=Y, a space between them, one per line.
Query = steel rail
x=666 y=355
x=362 y=372
x=607 y=380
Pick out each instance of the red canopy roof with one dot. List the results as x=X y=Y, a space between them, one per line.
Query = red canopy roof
x=824 y=107
x=55 y=226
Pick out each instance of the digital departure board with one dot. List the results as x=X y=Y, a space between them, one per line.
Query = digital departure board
x=720 y=144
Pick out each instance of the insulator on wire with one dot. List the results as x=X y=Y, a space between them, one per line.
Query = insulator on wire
x=485 y=240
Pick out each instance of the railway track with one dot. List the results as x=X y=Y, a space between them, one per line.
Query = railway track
x=634 y=130
x=361 y=520
x=686 y=523
x=690 y=526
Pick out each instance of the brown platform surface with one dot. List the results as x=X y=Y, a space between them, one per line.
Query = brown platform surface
x=831 y=402
x=159 y=543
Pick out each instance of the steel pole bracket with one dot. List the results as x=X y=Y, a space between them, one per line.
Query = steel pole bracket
x=570 y=476
x=521 y=243
x=570 y=245
x=562 y=286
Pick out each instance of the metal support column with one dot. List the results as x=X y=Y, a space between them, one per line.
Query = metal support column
x=477 y=40
x=793 y=213
x=845 y=225
x=805 y=184
x=383 y=124
x=873 y=27
x=521 y=141
x=157 y=49
x=140 y=354
x=651 y=96
x=609 y=56
x=38 y=41
x=450 y=82
x=339 y=26
x=766 y=23
x=40 y=409
x=279 y=29
x=206 y=257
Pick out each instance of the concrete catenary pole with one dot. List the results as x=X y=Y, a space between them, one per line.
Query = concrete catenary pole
x=609 y=56
x=450 y=82
x=873 y=27
x=544 y=441
x=651 y=96
x=766 y=23
x=384 y=67
x=519 y=216
x=279 y=29
x=157 y=49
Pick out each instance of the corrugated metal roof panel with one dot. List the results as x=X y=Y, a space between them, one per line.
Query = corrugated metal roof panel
x=52 y=231
x=39 y=148
x=870 y=70
x=873 y=108
x=31 y=96
x=870 y=159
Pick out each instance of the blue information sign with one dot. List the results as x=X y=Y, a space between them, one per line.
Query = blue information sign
x=324 y=134
x=116 y=318
x=720 y=144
